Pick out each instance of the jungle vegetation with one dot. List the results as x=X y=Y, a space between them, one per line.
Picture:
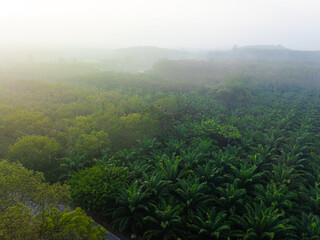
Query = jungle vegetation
x=164 y=158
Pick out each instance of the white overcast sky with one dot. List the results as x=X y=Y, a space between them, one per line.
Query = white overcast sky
x=193 y=24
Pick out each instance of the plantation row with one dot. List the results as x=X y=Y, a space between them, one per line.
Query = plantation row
x=161 y=159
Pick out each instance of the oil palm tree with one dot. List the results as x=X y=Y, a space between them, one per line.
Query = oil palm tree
x=266 y=224
x=192 y=196
x=171 y=169
x=210 y=174
x=211 y=225
x=230 y=198
x=147 y=146
x=282 y=174
x=131 y=208
x=312 y=197
x=246 y=177
x=307 y=226
x=278 y=195
x=174 y=147
x=156 y=185
x=164 y=222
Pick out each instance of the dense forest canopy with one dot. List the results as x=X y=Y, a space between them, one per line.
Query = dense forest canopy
x=189 y=149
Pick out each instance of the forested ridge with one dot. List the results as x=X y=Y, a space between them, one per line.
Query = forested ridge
x=234 y=157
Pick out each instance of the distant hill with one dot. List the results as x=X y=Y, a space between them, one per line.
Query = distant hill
x=266 y=52
x=142 y=58
x=139 y=59
x=257 y=71
x=151 y=53
x=264 y=47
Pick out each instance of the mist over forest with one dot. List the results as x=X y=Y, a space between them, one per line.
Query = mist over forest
x=160 y=143
x=171 y=120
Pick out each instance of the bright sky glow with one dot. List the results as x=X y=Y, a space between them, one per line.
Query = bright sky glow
x=198 y=24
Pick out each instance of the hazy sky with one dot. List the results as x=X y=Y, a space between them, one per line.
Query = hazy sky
x=197 y=24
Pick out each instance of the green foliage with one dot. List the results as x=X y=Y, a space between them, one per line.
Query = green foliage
x=192 y=196
x=17 y=182
x=73 y=164
x=266 y=223
x=161 y=159
x=37 y=153
x=94 y=188
x=54 y=224
x=90 y=145
x=131 y=202
x=136 y=125
x=213 y=225
x=164 y=222
x=308 y=226
x=217 y=131
x=28 y=208
x=234 y=92
x=17 y=222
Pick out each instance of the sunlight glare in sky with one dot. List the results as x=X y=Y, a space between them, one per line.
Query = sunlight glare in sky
x=198 y=24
